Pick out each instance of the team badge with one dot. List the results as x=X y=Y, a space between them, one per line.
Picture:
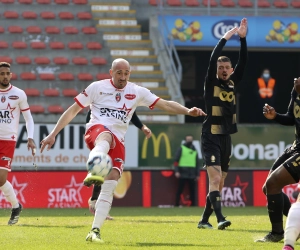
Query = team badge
x=118 y=97
x=213 y=158
x=3 y=99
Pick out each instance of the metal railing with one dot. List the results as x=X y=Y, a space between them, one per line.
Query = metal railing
x=175 y=67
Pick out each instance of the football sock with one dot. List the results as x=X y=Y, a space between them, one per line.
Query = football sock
x=275 y=208
x=207 y=210
x=101 y=146
x=215 y=200
x=9 y=194
x=96 y=192
x=286 y=204
x=292 y=227
x=104 y=202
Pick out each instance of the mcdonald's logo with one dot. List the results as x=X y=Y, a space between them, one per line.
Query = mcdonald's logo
x=156 y=145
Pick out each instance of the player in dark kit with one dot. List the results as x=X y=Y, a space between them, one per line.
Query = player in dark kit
x=285 y=170
x=219 y=93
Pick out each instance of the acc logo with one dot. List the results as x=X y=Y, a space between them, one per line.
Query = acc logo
x=130 y=96
x=13 y=97
x=226 y=96
x=220 y=28
x=3 y=99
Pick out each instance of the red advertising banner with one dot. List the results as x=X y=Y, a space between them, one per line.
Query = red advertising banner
x=62 y=189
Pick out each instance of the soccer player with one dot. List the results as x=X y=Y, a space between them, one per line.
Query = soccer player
x=112 y=102
x=13 y=102
x=97 y=188
x=219 y=95
x=285 y=170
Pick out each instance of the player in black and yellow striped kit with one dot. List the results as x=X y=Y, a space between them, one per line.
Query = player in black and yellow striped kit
x=220 y=100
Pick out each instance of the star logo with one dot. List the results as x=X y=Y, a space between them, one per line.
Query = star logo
x=242 y=185
x=125 y=109
x=10 y=109
x=76 y=186
x=19 y=188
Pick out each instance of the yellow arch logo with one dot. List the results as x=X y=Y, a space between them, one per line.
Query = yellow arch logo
x=156 y=145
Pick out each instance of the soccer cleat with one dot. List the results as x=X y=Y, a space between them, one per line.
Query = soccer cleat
x=287 y=247
x=94 y=236
x=15 y=214
x=108 y=217
x=223 y=224
x=93 y=179
x=204 y=225
x=271 y=237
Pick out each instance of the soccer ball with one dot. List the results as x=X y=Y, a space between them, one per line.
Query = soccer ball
x=99 y=164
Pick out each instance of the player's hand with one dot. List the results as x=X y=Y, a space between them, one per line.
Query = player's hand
x=196 y=112
x=297 y=85
x=269 y=112
x=147 y=132
x=177 y=174
x=242 y=30
x=31 y=145
x=48 y=141
x=230 y=33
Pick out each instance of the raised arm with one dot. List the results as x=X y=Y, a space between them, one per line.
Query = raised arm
x=243 y=55
x=212 y=68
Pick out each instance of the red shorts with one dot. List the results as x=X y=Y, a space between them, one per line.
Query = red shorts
x=7 y=150
x=116 y=152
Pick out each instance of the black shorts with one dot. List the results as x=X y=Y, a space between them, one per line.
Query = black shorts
x=290 y=159
x=216 y=150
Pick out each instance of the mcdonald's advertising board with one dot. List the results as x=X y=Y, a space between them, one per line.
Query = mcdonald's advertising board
x=253 y=147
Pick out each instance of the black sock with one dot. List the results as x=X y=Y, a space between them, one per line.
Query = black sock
x=96 y=192
x=207 y=210
x=275 y=208
x=215 y=199
x=286 y=204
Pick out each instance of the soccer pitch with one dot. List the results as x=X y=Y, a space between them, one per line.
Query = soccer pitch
x=135 y=228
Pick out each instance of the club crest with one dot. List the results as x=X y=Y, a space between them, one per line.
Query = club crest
x=3 y=99
x=118 y=97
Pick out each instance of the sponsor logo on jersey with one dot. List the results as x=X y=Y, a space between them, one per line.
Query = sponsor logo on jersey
x=221 y=27
x=3 y=99
x=130 y=96
x=103 y=93
x=118 y=97
x=118 y=114
x=13 y=97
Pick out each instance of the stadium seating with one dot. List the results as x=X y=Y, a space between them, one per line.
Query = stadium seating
x=32 y=92
x=48 y=15
x=51 y=92
x=70 y=30
x=37 y=109
x=84 y=15
x=70 y=92
x=37 y=45
x=98 y=61
x=280 y=4
x=52 y=30
x=227 y=3
x=154 y=2
x=7 y=1
x=28 y=76
x=23 y=60
x=34 y=30
x=14 y=76
x=174 y=2
x=19 y=45
x=80 y=61
x=47 y=76
x=89 y=30
x=93 y=45
x=295 y=3
x=44 y=1
x=101 y=76
x=85 y=77
x=65 y=76
x=212 y=3
x=80 y=1
x=29 y=15
x=11 y=14
x=2 y=30
x=245 y=3
x=263 y=4
x=192 y=3
x=75 y=45
x=56 y=45
x=66 y=15
x=15 y=29
x=42 y=60
x=55 y=109
x=6 y=59
x=61 y=1
x=25 y=1
x=3 y=45
x=61 y=60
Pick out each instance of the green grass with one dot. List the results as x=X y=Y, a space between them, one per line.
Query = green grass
x=135 y=228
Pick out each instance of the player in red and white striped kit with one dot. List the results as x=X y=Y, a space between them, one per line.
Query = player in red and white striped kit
x=112 y=102
x=13 y=101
